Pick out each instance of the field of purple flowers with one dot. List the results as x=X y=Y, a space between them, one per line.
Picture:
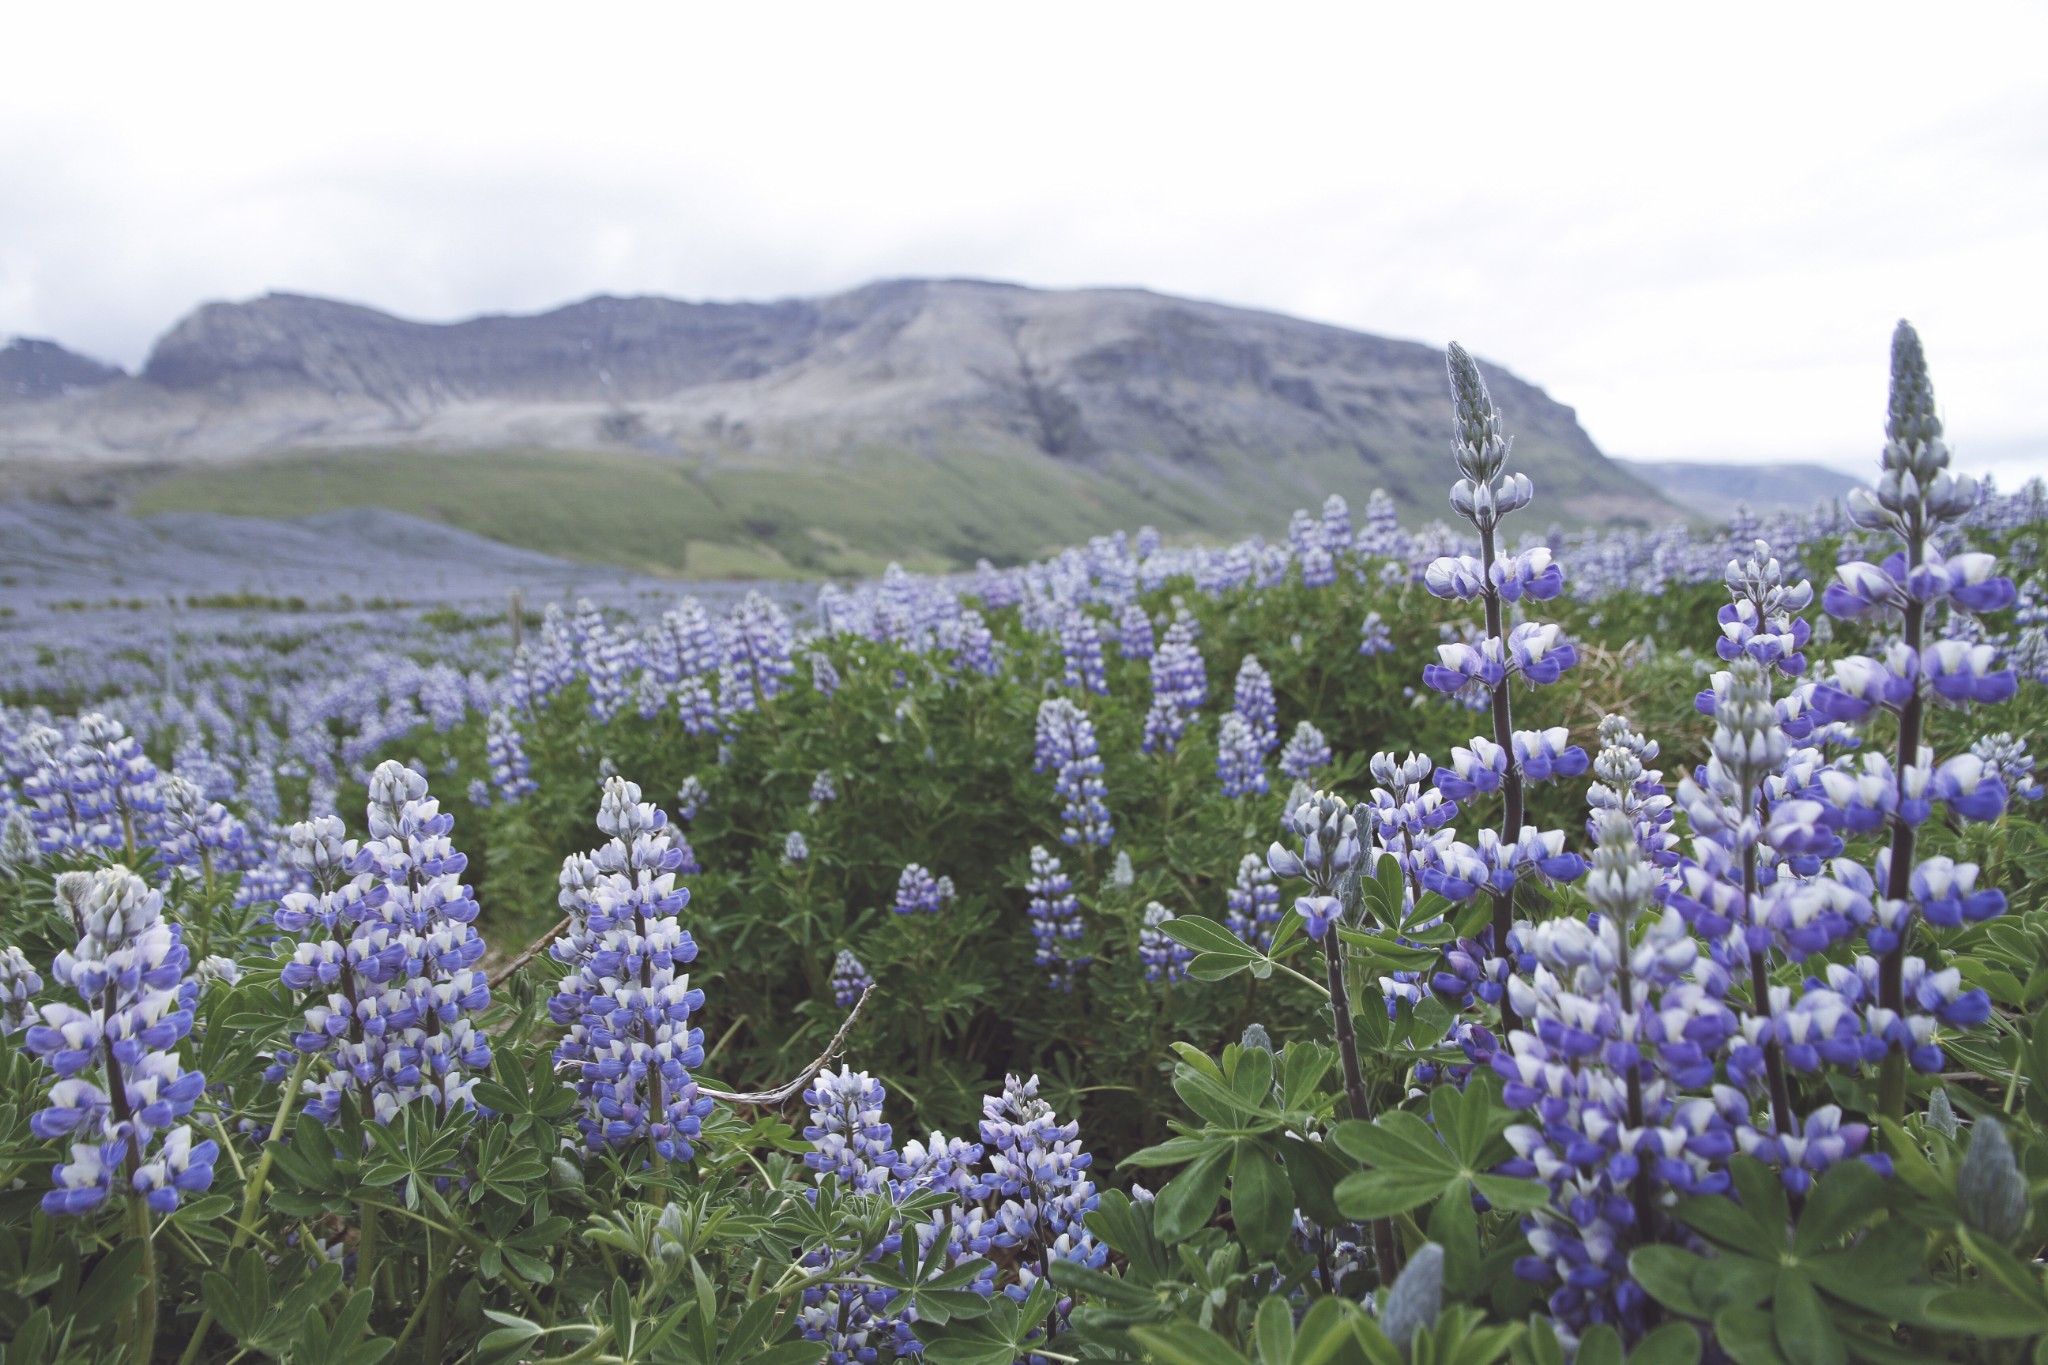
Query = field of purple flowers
x=1456 y=945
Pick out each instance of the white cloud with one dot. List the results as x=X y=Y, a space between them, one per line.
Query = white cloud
x=1696 y=226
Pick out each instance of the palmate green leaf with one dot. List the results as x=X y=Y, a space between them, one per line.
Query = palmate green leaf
x=1842 y=1199
x=1397 y=1141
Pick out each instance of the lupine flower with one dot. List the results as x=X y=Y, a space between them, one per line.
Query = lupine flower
x=1121 y=873
x=1374 y=637
x=824 y=677
x=690 y=798
x=1038 y=1170
x=625 y=1001
x=120 y=1088
x=795 y=851
x=18 y=847
x=1163 y=958
x=916 y=892
x=1134 y=631
x=849 y=979
x=823 y=789
x=1306 y=751
x=194 y=831
x=2005 y=759
x=19 y=985
x=1066 y=748
x=1179 y=686
x=1329 y=848
x=1253 y=700
x=505 y=751
x=1254 y=902
x=1081 y=644
x=1239 y=760
x=1055 y=919
x=853 y=1145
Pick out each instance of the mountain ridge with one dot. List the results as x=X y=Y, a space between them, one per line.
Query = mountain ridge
x=1222 y=418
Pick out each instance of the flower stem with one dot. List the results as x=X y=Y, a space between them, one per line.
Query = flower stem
x=139 y=1326
x=1511 y=784
x=1355 y=1097
x=1891 y=1074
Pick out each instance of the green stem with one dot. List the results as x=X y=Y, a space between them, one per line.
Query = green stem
x=366 y=1246
x=139 y=1326
x=437 y=1318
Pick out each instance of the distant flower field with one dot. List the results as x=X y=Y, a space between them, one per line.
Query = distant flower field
x=1461 y=944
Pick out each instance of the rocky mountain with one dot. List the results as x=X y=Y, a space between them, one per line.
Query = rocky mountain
x=1715 y=490
x=1200 y=416
x=31 y=369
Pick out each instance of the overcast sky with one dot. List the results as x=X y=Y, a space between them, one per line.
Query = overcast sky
x=1695 y=224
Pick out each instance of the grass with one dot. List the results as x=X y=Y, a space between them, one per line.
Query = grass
x=682 y=518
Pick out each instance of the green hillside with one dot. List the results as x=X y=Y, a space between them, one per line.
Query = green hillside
x=680 y=518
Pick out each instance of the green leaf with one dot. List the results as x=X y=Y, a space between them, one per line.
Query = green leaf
x=1261 y=1201
x=1510 y=1194
x=1273 y=1329
x=1383 y=1193
x=1675 y=1343
x=1183 y=1343
x=1207 y=936
x=1723 y=1282
x=1399 y=1141
x=1722 y=1221
x=1801 y=1322
x=1666 y=1275
x=113 y=1282
x=1763 y=1199
x=1841 y=1200
x=1745 y=1334
x=1539 y=1344
x=1185 y=1205
x=1982 y=1313
x=1601 y=1345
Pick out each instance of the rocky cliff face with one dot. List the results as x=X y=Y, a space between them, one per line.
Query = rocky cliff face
x=1222 y=403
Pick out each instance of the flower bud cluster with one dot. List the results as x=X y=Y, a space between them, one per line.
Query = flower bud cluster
x=1329 y=847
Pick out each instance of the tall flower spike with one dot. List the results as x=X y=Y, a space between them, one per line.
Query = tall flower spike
x=626 y=1002
x=1539 y=652
x=120 y=1088
x=1915 y=495
x=1055 y=919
